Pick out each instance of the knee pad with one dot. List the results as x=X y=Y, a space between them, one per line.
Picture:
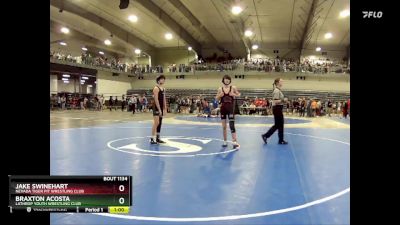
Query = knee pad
x=232 y=126
x=159 y=125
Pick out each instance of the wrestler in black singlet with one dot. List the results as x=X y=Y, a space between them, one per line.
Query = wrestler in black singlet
x=227 y=103
x=161 y=101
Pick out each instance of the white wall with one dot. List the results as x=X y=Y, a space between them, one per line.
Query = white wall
x=71 y=87
x=64 y=87
x=109 y=85
x=53 y=84
x=89 y=90
x=106 y=85
x=250 y=82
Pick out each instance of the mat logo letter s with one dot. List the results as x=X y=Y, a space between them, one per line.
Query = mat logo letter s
x=180 y=146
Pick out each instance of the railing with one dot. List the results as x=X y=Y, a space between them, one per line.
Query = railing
x=200 y=68
x=298 y=69
x=89 y=66
x=107 y=67
x=250 y=93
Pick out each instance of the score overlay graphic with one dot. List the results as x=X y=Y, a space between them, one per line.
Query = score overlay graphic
x=75 y=194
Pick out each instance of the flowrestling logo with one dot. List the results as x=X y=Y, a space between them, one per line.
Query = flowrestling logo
x=372 y=14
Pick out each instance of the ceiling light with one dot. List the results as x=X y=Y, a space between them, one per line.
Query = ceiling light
x=107 y=42
x=65 y=30
x=344 y=13
x=84 y=49
x=63 y=43
x=85 y=78
x=133 y=18
x=101 y=53
x=248 y=33
x=318 y=49
x=236 y=10
x=66 y=81
x=64 y=78
x=254 y=47
x=137 y=51
x=168 y=36
x=328 y=35
x=190 y=48
x=66 y=75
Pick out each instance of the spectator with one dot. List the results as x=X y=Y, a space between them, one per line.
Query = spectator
x=123 y=101
x=139 y=103
x=85 y=102
x=339 y=108
x=145 y=103
x=329 y=107
x=102 y=102
x=116 y=103
x=302 y=107
x=81 y=103
x=205 y=106
x=252 y=109
x=313 y=107
x=134 y=104
x=59 y=101
x=63 y=102
x=348 y=106
x=244 y=107
x=110 y=103
x=308 y=107
x=344 y=110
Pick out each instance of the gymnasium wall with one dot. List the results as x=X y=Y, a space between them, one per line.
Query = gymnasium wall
x=268 y=52
x=53 y=84
x=71 y=87
x=168 y=56
x=333 y=55
x=109 y=85
x=337 y=83
x=143 y=60
x=235 y=51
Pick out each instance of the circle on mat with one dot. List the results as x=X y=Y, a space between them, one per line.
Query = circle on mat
x=243 y=216
x=175 y=146
x=242 y=120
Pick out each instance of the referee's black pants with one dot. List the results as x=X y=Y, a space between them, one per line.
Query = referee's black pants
x=278 y=117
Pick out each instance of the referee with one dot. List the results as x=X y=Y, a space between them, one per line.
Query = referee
x=277 y=107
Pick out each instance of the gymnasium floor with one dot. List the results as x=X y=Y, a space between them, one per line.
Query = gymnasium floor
x=193 y=180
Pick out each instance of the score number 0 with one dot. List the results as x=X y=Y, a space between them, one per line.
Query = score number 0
x=121 y=200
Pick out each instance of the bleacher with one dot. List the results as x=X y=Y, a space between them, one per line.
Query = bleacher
x=250 y=93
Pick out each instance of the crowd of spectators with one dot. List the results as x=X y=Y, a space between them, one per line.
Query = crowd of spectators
x=302 y=107
x=106 y=62
x=307 y=65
